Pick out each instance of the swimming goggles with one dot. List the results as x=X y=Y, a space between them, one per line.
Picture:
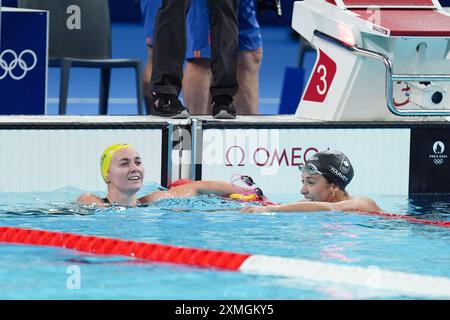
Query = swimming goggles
x=309 y=168
x=249 y=182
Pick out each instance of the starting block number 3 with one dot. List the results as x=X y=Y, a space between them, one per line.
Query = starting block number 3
x=321 y=79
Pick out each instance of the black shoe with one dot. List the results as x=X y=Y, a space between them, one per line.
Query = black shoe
x=169 y=106
x=223 y=108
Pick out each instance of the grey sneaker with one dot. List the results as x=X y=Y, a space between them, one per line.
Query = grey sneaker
x=223 y=107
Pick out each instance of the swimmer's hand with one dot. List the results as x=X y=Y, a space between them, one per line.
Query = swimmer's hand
x=254 y=209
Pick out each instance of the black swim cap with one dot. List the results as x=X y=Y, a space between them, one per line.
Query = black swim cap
x=334 y=166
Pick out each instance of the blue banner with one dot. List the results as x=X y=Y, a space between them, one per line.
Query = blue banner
x=23 y=62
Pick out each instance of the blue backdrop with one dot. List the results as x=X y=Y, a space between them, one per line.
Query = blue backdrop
x=23 y=63
x=128 y=10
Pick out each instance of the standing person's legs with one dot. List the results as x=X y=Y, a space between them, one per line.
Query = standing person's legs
x=249 y=59
x=196 y=82
x=169 y=46
x=247 y=97
x=168 y=57
x=197 y=74
x=149 y=9
x=224 y=46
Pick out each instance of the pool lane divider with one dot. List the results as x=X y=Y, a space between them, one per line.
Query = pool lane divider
x=437 y=223
x=110 y=246
x=373 y=278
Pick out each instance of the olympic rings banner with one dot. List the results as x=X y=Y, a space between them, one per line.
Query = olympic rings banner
x=23 y=61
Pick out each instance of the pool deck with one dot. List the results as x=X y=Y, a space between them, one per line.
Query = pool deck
x=241 y=119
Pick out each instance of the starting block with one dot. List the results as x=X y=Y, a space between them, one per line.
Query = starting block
x=377 y=60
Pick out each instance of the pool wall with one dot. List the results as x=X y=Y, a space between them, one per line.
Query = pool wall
x=48 y=153
x=45 y=157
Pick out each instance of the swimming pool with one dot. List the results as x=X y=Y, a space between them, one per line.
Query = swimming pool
x=31 y=272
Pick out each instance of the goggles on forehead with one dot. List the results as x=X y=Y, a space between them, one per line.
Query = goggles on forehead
x=249 y=182
x=309 y=168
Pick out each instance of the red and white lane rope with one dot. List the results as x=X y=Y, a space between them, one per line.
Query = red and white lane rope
x=371 y=278
x=437 y=223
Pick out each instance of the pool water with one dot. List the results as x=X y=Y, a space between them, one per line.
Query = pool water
x=34 y=272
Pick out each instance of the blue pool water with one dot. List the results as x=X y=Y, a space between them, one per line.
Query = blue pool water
x=31 y=272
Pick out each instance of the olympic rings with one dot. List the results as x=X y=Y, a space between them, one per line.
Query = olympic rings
x=16 y=63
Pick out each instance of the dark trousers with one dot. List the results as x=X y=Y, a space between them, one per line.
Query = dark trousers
x=169 y=48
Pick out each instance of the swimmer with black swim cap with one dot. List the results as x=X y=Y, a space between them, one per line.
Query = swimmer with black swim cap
x=334 y=167
x=325 y=176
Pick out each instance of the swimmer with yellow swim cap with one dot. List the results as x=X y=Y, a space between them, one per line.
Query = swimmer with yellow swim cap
x=123 y=172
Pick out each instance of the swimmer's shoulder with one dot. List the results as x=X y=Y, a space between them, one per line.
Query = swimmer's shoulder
x=155 y=196
x=366 y=204
x=89 y=198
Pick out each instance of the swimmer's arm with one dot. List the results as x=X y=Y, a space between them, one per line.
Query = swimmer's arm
x=216 y=187
x=358 y=204
x=196 y=188
x=291 y=207
x=193 y=189
x=90 y=199
x=155 y=196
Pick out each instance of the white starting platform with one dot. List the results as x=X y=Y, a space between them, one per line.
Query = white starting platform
x=377 y=60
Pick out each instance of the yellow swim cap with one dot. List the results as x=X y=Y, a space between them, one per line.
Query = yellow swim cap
x=107 y=155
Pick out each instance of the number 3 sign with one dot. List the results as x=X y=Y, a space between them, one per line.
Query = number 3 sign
x=321 y=79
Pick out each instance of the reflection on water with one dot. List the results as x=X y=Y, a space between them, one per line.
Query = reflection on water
x=430 y=207
x=214 y=223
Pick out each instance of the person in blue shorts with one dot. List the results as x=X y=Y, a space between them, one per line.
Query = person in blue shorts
x=197 y=74
x=169 y=48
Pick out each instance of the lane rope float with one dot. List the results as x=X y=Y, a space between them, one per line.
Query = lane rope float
x=387 y=215
x=370 y=277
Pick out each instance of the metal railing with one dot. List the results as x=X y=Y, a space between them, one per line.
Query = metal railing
x=391 y=77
